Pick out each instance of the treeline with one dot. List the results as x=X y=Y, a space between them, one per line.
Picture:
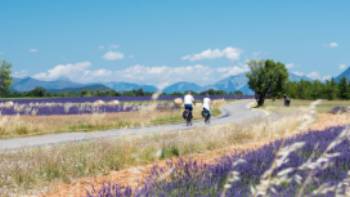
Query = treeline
x=42 y=92
x=211 y=92
x=319 y=90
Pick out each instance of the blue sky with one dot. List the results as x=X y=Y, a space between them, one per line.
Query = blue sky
x=163 y=41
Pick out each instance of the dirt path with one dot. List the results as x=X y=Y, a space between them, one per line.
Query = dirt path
x=235 y=112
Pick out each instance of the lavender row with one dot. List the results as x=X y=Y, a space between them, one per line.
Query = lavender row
x=108 y=99
x=312 y=164
x=62 y=110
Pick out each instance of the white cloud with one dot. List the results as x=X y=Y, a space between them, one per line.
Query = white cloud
x=230 y=53
x=333 y=45
x=290 y=65
x=113 y=56
x=158 y=75
x=298 y=73
x=314 y=75
x=20 y=74
x=79 y=72
x=112 y=46
x=33 y=50
x=343 y=66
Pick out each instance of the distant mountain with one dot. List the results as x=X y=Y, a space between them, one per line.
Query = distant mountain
x=91 y=87
x=27 y=84
x=182 y=87
x=123 y=86
x=231 y=84
x=345 y=74
x=246 y=90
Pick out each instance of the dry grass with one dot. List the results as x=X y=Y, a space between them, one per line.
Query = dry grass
x=13 y=126
x=35 y=169
x=278 y=107
x=243 y=140
x=327 y=105
x=326 y=120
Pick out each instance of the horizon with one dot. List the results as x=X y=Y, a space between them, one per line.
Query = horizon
x=151 y=43
x=146 y=84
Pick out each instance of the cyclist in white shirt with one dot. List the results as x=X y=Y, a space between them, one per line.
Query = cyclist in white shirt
x=206 y=108
x=188 y=101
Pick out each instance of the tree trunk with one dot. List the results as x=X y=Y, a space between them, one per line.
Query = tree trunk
x=260 y=100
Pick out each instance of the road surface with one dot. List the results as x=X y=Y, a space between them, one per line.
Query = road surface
x=235 y=112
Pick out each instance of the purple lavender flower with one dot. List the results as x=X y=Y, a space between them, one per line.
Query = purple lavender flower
x=189 y=178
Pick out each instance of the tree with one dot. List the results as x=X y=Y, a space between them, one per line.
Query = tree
x=213 y=92
x=343 y=88
x=331 y=90
x=267 y=78
x=5 y=78
x=38 y=92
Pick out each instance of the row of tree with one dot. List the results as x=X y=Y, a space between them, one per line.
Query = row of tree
x=269 y=79
x=42 y=92
x=319 y=90
x=210 y=92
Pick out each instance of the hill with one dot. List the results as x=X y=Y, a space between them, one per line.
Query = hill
x=124 y=86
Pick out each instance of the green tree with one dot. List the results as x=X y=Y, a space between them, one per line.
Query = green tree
x=267 y=78
x=343 y=88
x=330 y=90
x=5 y=78
x=292 y=89
x=38 y=92
x=317 y=89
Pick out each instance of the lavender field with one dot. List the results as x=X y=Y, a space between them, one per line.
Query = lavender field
x=83 y=105
x=313 y=164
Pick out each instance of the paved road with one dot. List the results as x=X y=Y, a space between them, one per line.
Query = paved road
x=237 y=112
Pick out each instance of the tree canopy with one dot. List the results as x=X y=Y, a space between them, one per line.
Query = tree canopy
x=5 y=78
x=267 y=78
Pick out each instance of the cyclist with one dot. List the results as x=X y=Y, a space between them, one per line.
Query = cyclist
x=188 y=104
x=206 y=108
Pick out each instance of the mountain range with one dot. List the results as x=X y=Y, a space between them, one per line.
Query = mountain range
x=345 y=74
x=229 y=84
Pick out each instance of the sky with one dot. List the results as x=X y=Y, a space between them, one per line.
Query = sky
x=162 y=41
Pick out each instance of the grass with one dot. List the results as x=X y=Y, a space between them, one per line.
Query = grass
x=324 y=107
x=277 y=105
x=14 y=126
x=37 y=168
x=328 y=105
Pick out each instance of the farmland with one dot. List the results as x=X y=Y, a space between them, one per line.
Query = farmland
x=24 y=117
x=174 y=98
x=34 y=168
x=196 y=156
x=300 y=167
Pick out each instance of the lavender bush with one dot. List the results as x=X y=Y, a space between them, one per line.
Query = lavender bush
x=312 y=164
x=83 y=105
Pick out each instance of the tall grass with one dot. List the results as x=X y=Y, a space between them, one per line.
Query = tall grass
x=37 y=168
x=14 y=126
